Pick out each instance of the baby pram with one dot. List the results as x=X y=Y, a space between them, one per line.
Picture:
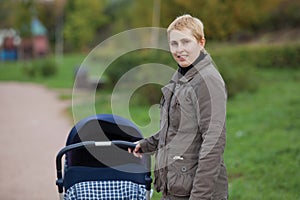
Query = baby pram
x=97 y=163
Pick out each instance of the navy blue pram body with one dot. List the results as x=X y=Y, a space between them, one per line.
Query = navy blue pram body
x=97 y=164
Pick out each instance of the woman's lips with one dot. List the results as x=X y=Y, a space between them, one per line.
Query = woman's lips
x=181 y=57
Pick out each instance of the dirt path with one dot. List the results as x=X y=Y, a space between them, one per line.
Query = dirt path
x=33 y=127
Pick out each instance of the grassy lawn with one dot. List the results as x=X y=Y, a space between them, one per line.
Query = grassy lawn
x=263 y=149
x=63 y=79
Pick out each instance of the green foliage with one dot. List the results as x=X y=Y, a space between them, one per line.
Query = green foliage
x=222 y=19
x=240 y=66
x=30 y=70
x=88 y=22
x=41 y=67
x=134 y=59
x=239 y=76
x=21 y=20
x=285 y=15
x=18 y=15
x=82 y=21
x=146 y=95
x=281 y=56
x=48 y=68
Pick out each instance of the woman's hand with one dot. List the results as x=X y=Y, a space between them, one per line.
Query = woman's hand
x=136 y=151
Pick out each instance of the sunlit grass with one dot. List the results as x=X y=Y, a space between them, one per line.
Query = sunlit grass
x=263 y=152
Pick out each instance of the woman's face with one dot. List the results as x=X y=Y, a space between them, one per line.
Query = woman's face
x=184 y=47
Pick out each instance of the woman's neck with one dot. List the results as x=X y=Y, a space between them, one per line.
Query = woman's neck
x=184 y=70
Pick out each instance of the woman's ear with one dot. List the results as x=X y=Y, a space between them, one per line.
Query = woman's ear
x=202 y=42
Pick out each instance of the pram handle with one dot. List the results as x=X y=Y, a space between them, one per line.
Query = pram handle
x=121 y=144
x=124 y=144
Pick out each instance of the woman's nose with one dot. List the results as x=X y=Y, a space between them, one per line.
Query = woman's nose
x=179 y=48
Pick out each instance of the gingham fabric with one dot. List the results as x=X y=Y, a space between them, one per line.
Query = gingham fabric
x=106 y=190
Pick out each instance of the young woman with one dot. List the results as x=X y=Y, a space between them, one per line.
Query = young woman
x=190 y=143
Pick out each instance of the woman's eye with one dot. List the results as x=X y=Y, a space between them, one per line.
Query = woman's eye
x=185 y=41
x=174 y=44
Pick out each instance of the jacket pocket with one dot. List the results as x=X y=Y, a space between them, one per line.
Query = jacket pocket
x=181 y=173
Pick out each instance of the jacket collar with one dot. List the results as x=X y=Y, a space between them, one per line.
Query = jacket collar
x=178 y=78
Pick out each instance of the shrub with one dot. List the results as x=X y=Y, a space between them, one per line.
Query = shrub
x=237 y=77
x=43 y=67
x=239 y=66
x=48 y=68
x=29 y=70
x=135 y=58
x=146 y=94
x=287 y=56
x=238 y=74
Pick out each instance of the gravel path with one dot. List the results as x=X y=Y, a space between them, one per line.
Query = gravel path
x=33 y=128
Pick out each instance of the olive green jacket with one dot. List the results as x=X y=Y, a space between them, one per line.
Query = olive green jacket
x=190 y=144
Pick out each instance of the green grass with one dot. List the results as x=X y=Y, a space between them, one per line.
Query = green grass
x=263 y=150
x=14 y=71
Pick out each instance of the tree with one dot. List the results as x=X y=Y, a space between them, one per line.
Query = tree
x=17 y=15
x=224 y=18
x=82 y=19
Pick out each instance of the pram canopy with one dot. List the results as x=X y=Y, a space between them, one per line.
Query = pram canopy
x=102 y=127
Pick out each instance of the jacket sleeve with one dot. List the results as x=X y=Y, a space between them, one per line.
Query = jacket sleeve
x=210 y=101
x=149 y=145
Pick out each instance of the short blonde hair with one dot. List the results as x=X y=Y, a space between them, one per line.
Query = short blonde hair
x=187 y=21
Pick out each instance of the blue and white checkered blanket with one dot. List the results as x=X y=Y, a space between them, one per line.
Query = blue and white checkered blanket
x=106 y=190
